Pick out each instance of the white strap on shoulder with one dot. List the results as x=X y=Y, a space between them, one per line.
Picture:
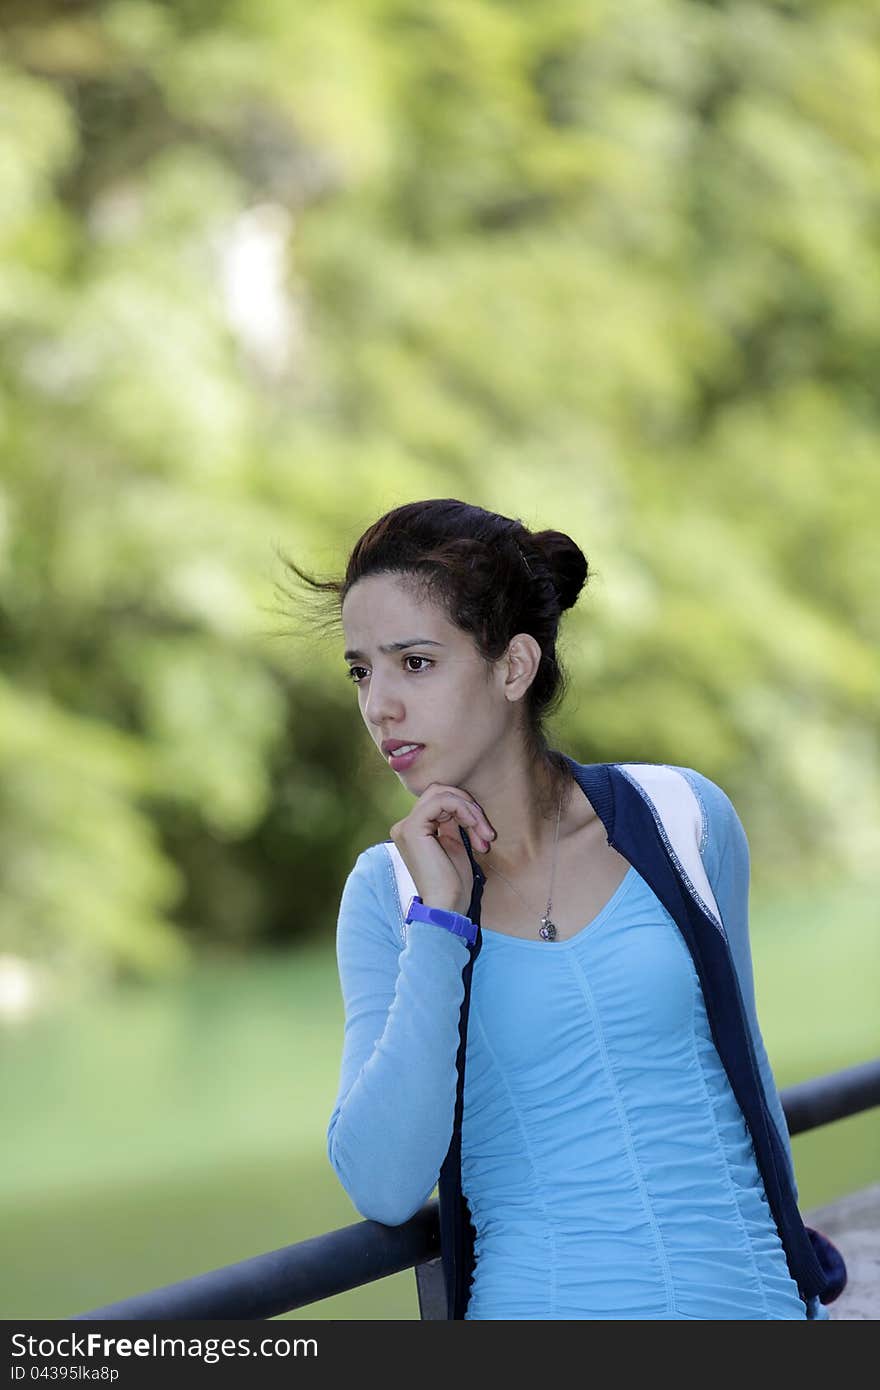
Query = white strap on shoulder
x=679 y=817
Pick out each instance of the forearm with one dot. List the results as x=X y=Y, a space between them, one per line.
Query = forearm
x=391 y=1127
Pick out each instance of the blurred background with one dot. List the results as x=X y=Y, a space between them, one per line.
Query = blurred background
x=268 y=270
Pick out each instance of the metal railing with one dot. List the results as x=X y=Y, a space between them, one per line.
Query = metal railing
x=311 y=1270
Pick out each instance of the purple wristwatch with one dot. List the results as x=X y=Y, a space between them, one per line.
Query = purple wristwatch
x=455 y=922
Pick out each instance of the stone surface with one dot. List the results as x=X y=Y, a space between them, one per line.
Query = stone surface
x=853 y=1223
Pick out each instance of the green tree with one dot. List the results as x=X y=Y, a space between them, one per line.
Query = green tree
x=268 y=270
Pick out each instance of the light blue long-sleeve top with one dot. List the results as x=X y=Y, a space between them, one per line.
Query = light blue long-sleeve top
x=605 y=1161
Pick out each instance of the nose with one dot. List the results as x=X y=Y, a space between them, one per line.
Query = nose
x=381 y=706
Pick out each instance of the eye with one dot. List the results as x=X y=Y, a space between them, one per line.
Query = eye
x=355 y=680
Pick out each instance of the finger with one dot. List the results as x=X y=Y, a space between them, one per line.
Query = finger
x=465 y=815
x=455 y=803
x=459 y=791
x=468 y=822
x=445 y=803
x=486 y=827
x=449 y=834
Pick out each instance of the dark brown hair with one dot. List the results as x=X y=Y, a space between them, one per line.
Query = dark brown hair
x=490 y=575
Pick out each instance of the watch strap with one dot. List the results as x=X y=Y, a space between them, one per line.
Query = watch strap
x=454 y=922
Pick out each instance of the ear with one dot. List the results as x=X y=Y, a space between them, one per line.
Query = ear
x=523 y=660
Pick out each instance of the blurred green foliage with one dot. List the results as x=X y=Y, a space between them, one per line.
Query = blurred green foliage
x=267 y=270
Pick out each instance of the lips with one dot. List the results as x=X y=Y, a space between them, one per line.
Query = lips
x=400 y=761
x=390 y=745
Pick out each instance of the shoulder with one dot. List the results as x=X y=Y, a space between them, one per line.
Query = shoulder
x=721 y=829
x=370 y=869
x=371 y=889
x=689 y=805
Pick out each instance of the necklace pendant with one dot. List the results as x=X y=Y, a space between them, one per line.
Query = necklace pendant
x=547 y=930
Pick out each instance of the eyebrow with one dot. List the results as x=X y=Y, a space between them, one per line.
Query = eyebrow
x=353 y=655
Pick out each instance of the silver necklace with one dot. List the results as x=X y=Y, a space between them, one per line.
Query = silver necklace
x=547 y=929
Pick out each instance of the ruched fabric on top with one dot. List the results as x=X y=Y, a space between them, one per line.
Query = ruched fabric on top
x=606 y=1163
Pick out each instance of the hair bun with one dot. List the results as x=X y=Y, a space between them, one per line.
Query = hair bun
x=566 y=562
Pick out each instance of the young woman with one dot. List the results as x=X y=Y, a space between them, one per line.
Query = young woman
x=607 y=1166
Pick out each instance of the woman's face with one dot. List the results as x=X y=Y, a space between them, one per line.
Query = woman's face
x=434 y=690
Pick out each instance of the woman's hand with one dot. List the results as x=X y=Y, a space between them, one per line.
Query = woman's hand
x=432 y=848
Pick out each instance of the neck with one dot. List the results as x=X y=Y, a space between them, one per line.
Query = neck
x=523 y=805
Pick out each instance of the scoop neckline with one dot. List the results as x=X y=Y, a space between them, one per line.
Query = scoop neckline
x=556 y=946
